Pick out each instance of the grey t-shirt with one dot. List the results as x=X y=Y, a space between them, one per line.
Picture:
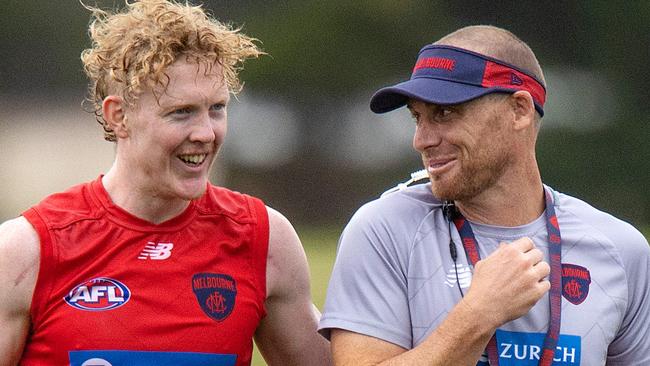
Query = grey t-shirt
x=394 y=279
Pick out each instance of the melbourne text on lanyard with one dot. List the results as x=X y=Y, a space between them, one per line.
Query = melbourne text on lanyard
x=555 y=253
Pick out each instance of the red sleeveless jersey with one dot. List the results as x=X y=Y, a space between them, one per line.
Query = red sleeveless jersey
x=117 y=290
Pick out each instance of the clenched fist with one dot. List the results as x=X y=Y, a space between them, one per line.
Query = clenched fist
x=506 y=284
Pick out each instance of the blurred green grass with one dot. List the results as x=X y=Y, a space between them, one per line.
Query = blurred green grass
x=320 y=247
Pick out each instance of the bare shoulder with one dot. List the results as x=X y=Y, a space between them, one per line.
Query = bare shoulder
x=287 y=335
x=19 y=263
x=280 y=229
x=287 y=263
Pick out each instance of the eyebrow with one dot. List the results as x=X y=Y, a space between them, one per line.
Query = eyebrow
x=168 y=101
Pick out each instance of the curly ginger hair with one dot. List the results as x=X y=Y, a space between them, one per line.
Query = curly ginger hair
x=131 y=49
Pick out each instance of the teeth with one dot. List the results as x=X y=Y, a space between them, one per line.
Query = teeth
x=193 y=159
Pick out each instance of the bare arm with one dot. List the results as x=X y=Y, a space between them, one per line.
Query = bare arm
x=287 y=335
x=504 y=287
x=19 y=258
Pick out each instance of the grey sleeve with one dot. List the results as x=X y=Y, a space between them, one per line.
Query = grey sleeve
x=367 y=292
x=631 y=347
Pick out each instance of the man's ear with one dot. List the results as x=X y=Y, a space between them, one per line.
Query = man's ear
x=524 y=110
x=114 y=112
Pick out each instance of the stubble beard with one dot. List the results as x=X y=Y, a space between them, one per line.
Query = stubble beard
x=474 y=178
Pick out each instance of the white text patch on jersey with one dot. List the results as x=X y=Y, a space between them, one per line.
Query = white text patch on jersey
x=157 y=251
x=464 y=276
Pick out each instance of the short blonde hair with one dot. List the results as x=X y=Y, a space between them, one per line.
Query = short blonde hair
x=131 y=49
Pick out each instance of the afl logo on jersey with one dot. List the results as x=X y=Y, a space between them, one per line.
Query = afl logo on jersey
x=215 y=293
x=98 y=294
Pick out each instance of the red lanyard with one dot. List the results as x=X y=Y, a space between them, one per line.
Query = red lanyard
x=555 y=253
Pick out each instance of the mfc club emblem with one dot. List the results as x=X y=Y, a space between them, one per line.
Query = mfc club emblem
x=215 y=293
x=575 y=283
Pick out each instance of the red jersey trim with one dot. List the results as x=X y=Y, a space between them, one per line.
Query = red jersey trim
x=47 y=265
x=258 y=210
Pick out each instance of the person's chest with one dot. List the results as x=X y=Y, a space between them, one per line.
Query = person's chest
x=153 y=294
x=594 y=294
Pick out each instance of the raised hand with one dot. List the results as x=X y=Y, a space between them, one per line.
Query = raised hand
x=506 y=284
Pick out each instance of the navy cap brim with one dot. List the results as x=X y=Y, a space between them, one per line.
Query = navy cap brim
x=429 y=90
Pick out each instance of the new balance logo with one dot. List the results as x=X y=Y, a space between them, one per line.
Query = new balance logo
x=155 y=251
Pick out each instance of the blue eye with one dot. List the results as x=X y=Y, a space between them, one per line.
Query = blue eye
x=217 y=107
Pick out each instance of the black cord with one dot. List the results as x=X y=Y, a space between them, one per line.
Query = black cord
x=454 y=255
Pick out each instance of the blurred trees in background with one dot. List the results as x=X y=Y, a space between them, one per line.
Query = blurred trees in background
x=325 y=56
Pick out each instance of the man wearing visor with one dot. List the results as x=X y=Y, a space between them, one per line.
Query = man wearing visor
x=484 y=264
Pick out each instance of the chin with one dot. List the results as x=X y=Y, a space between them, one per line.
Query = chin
x=458 y=190
x=449 y=191
x=192 y=190
x=195 y=195
x=443 y=189
x=442 y=194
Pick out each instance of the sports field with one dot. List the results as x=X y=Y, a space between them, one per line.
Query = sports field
x=320 y=246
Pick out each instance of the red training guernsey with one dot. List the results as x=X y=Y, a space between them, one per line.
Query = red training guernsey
x=117 y=290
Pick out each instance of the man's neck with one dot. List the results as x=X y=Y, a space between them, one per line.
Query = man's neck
x=126 y=195
x=506 y=205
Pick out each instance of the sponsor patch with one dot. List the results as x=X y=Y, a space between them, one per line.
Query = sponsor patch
x=575 y=283
x=215 y=293
x=98 y=294
x=525 y=349
x=142 y=358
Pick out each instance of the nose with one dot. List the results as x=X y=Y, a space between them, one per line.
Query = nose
x=427 y=134
x=204 y=129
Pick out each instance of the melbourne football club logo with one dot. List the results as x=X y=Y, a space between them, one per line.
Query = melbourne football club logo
x=215 y=293
x=98 y=294
x=575 y=283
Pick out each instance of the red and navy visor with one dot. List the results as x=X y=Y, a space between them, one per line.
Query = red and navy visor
x=448 y=75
